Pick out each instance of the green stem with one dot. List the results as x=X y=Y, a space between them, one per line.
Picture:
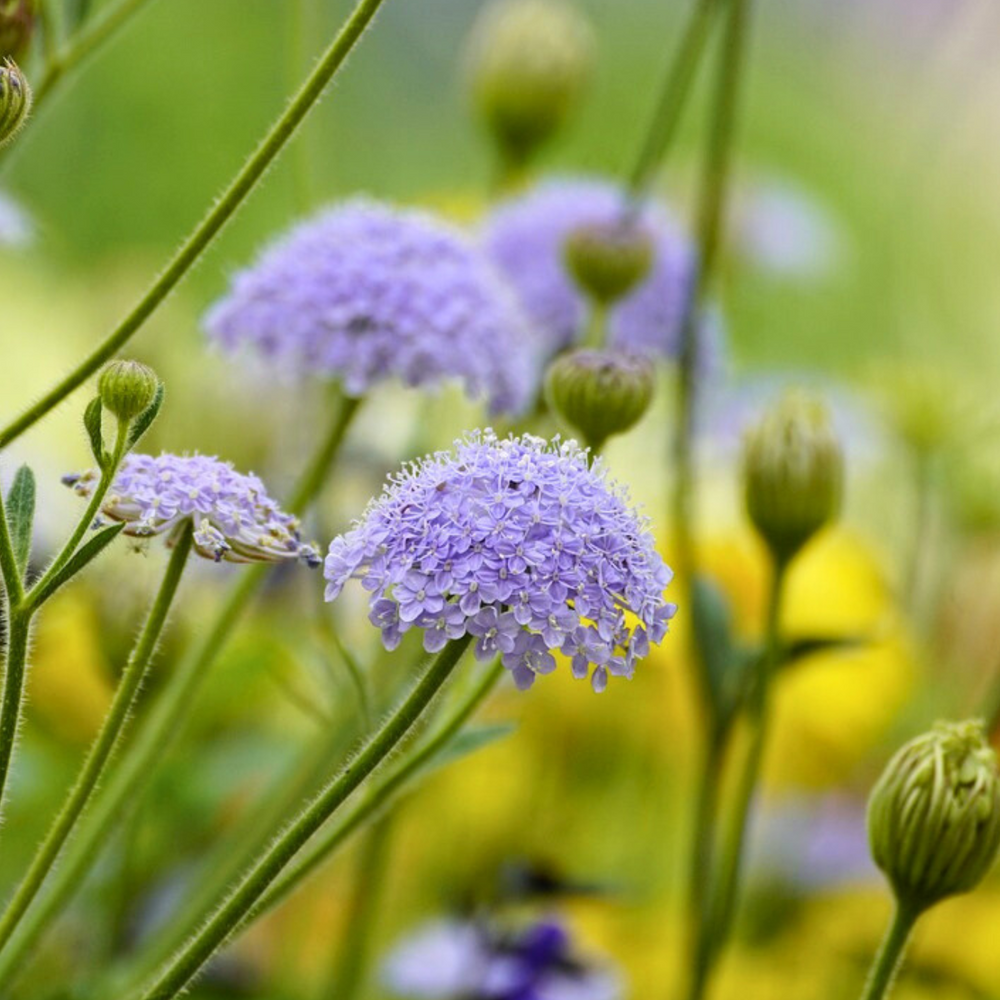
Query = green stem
x=107 y=739
x=85 y=522
x=377 y=796
x=134 y=769
x=354 y=950
x=15 y=665
x=725 y=896
x=230 y=913
x=596 y=331
x=673 y=98
x=222 y=211
x=890 y=955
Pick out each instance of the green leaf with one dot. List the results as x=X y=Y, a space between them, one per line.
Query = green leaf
x=92 y=424
x=21 y=514
x=468 y=741
x=145 y=419
x=83 y=556
x=798 y=649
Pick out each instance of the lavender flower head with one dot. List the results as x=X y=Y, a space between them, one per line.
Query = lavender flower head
x=234 y=518
x=526 y=236
x=364 y=293
x=465 y=960
x=518 y=543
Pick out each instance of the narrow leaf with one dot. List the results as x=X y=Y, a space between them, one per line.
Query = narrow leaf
x=83 y=556
x=468 y=741
x=723 y=661
x=145 y=419
x=21 y=514
x=92 y=424
x=799 y=649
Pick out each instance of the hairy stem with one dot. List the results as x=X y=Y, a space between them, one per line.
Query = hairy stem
x=107 y=739
x=890 y=955
x=222 y=211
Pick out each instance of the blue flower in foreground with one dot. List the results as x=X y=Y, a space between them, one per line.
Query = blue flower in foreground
x=526 y=238
x=518 y=543
x=365 y=293
x=465 y=960
x=234 y=518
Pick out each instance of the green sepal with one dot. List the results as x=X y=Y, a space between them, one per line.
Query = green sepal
x=92 y=425
x=83 y=556
x=21 y=514
x=144 y=421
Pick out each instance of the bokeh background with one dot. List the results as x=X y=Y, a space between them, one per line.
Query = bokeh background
x=862 y=262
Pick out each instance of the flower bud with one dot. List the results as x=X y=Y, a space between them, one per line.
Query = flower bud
x=600 y=394
x=934 y=816
x=527 y=62
x=15 y=100
x=608 y=261
x=17 y=23
x=793 y=472
x=127 y=388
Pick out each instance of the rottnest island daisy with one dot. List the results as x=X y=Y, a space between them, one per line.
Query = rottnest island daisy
x=366 y=292
x=234 y=518
x=519 y=543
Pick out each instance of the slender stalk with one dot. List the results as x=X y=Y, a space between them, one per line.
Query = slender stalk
x=222 y=211
x=229 y=915
x=597 y=325
x=354 y=950
x=133 y=770
x=890 y=955
x=15 y=665
x=377 y=796
x=725 y=896
x=83 y=525
x=107 y=739
x=673 y=98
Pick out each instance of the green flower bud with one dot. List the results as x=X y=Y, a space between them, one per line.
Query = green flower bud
x=600 y=394
x=17 y=23
x=793 y=473
x=934 y=816
x=15 y=100
x=127 y=388
x=608 y=261
x=527 y=62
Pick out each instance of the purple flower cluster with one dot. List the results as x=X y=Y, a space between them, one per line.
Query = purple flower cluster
x=365 y=292
x=234 y=518
x=516 y=542
x=465 y=960
x=526 y=237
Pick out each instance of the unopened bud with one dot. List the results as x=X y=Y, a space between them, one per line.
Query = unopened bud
x=608 y=261
x=934 y=816
x=600 y=394
x=15 y=100
x=793 y=474
x=527 y=61
x=127 y=388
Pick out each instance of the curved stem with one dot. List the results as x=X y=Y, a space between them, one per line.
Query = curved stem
x=230 y=913
x=673 y=98
x=107 y=739
x=890 y=955
x=134 y=769
x=222 y=211
x=375 y=798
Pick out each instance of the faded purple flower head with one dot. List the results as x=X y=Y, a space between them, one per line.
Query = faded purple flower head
x=526 y=236
x=516 y=542
x=234 y=518
x=365 y=292
x=466 y=960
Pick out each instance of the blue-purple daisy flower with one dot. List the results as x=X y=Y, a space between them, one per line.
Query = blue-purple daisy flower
x=476 y=960
x=519 y=543
x=365 y=292
x=234 y=518
x=526 y=237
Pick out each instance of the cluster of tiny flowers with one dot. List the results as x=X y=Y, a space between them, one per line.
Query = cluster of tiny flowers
x=526 y=238
x=366 y=292
x=452 y=959
x=234 y=518
x=518 y=543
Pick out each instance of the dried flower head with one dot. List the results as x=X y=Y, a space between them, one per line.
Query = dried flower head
x=519 y=543
x=234 y=518
x=527 y=239
x=365 y=293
